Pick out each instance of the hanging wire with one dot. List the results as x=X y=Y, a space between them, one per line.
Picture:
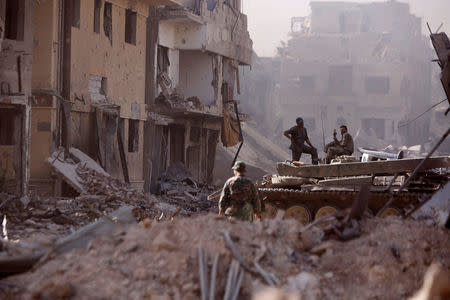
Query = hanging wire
x=415 y=119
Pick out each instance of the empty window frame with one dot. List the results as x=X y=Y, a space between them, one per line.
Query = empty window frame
x=163 y=59
x=130 y=26
x=97 y=9
x=107 y=20
x=341 y=80
x=133 y=135
x=98 y=88
x=76 y=13
x=306 y=85
x=7 y=117
x=377 y=85
x=14 y=21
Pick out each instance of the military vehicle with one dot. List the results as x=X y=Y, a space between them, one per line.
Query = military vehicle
x=307 y=192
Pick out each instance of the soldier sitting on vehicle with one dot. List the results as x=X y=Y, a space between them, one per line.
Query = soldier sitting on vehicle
x=337 y=148
x=239 y=198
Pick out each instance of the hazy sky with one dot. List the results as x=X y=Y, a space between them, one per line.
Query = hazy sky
x=269 y=20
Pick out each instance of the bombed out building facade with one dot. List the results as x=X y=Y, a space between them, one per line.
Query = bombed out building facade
x=134 y=85
x=16 y=57
x=363 y=65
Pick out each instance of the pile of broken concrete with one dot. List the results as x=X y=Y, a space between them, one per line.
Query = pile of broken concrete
x=179 y=188
x=175 y=260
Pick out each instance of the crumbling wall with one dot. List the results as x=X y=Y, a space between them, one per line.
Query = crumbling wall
x=196 y=75
x=16 y=42
x=120 y=65
x=227 y=33
x=221 y=29
x=108 y=67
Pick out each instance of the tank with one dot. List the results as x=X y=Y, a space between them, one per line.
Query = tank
x=307 y=193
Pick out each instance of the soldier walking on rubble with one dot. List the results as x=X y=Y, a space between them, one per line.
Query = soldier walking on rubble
x=343 y=147
x=239 y=198
x=298 y=136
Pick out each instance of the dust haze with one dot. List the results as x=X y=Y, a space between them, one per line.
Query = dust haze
x=269 y=21
x=364 y=64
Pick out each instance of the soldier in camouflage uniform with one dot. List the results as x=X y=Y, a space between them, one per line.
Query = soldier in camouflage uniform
x=337 y=148
x=239 y=198
x=299 y=136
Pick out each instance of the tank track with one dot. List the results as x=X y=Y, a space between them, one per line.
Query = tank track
x=283 y=198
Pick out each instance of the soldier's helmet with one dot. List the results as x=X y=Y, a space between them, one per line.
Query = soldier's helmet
x=240 y=166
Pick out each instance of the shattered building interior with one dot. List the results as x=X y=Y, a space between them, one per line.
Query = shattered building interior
x=136 y=85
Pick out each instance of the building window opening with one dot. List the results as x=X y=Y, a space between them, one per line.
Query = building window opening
x=341 y=80
x=130 y=26
x=306 y=85
x=107 y=20
x=377 y=85
x=15 y=18
x=76 y=13
x=133 y=136
x=163 y=59
x=6 y=127
x=97 y=8
x=98 y=88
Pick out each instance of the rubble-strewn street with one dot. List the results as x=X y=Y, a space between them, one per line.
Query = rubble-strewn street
x=160 y=260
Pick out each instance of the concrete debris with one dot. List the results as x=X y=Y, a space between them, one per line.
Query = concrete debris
x=21 y=258
x=115 y=191
x=178 y=187
x=153 y=260
x=176 y=102
x=437 y=210
x=305 y=282
x=436 y=284
x=275 y=294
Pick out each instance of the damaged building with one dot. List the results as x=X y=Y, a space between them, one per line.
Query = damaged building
x=89 y=87
x=134 y=85
x=201 y=45
x=366 y=66
x=16 y=54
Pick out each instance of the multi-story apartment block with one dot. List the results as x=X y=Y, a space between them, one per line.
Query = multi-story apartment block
x=135 y=84
x=363 y=65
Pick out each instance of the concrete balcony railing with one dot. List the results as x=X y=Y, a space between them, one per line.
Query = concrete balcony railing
x=209 y=25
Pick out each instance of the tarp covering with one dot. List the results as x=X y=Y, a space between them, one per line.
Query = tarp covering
x=230 y=130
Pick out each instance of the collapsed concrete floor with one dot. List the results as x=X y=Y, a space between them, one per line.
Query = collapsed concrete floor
x=159 y=260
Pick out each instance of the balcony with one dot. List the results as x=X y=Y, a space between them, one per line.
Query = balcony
x=180 y=15
x=177 y=106
x=187 y=12
x=218 y=28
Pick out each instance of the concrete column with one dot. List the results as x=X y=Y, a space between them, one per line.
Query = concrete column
x=150 y=91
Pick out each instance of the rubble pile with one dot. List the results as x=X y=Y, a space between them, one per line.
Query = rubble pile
x=179 y=188
x=38 y=218
x=116 y=192
x=161 y=261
